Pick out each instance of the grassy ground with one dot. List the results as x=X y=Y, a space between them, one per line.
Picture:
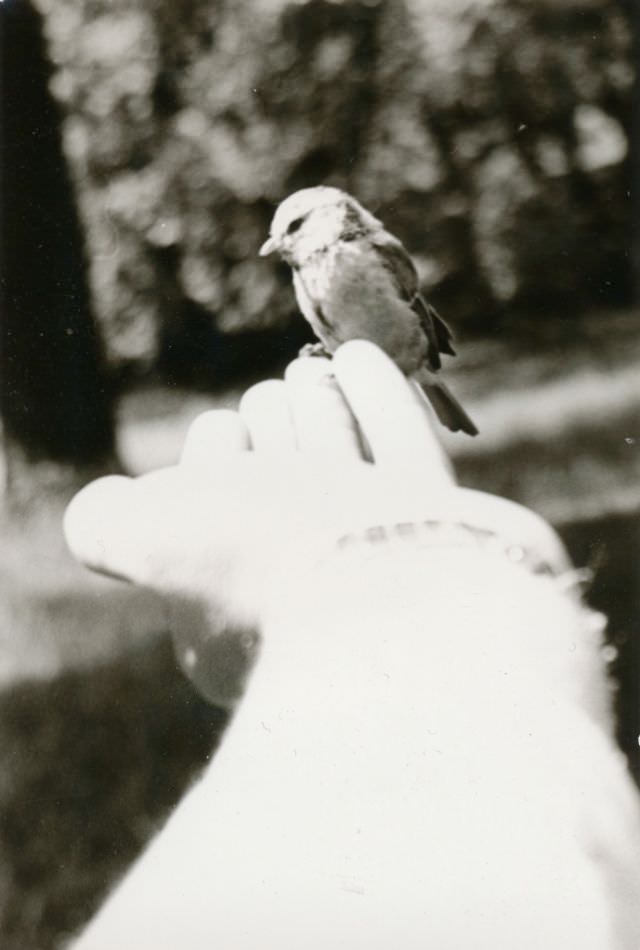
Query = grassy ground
x=93 y=760
x=98 y=731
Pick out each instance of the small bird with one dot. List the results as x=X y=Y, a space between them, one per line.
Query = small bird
x=355 y=280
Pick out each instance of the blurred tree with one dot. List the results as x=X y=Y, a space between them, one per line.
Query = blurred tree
x=54 y=398
x=634 y=12
x=491 y=134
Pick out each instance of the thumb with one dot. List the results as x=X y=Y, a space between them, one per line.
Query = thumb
x=100 y=527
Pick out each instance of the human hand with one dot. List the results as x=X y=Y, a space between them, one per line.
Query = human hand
x=408 y=745
x=262 y=495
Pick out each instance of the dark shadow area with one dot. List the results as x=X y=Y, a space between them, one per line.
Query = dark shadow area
x=92 y=762
x=610 y=546
x=197 y=354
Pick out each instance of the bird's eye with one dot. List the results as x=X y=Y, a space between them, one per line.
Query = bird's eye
x=295 y=225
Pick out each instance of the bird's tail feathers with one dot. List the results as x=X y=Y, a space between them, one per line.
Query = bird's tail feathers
x=446 y=406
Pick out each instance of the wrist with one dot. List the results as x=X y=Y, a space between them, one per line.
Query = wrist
x=424 y=563
x=453 y=605
x=422 y=589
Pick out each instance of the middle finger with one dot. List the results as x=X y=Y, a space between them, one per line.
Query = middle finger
x=392 y=415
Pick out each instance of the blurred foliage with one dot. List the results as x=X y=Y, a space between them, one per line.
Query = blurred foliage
x=491 y=135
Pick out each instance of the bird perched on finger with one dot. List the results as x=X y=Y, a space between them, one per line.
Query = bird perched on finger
x=355 y=280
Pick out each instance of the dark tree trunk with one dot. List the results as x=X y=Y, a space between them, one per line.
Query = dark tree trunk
x=54 y=400
x=634 y=145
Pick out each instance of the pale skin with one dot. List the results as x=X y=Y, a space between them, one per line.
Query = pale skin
x=422 y=755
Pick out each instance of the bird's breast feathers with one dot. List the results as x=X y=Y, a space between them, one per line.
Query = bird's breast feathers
x=346 y=293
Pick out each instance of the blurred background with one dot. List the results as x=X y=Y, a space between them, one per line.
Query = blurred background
x=145 y=144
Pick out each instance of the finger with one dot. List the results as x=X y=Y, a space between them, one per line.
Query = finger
x=214 y=435
x=309 y=370
x=96 y=525
x=136 y=528
x=265 y=411
x=391 y=414
x=324 y=424
x=434 y=428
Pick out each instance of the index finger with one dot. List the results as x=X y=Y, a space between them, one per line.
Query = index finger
x=391 y=413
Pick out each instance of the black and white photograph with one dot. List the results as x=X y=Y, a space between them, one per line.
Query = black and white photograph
x=320 y=475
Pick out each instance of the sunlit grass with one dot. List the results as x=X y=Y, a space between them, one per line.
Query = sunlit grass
x=559 y=419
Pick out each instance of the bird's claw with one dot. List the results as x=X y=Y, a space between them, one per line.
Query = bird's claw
x=314 y=349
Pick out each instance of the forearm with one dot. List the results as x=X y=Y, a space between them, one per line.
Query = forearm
x=402 y=737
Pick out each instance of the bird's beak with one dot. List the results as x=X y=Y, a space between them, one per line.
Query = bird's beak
x=268 y=247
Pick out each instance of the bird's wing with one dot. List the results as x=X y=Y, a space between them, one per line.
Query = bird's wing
x=396 y=260
x=429 y=313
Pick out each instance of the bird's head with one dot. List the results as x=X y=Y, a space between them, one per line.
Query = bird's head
x=312 y=220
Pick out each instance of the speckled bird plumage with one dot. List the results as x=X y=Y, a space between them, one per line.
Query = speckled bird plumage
x=354 y=280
